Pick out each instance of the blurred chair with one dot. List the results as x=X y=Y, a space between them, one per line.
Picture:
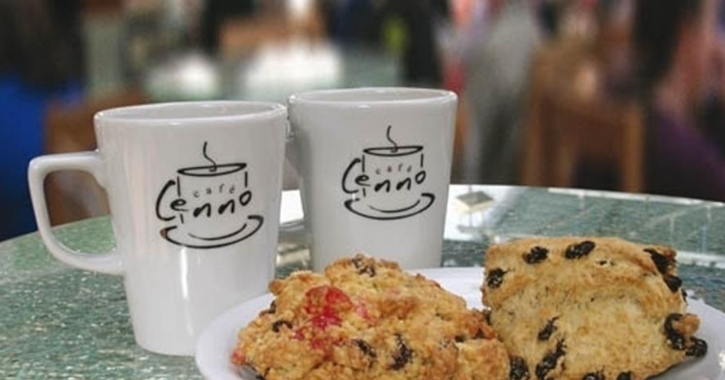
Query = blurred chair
x=76 y=195
x=571 y=122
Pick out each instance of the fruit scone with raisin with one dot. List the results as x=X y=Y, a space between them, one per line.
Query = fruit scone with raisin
x=366 y=319
x=589 y=309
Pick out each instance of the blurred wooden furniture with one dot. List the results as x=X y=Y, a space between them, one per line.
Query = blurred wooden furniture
x=570 y=122
x=76 y=195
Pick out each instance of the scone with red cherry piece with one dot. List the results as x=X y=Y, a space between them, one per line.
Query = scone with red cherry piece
x=367 y=319
x=574 y=308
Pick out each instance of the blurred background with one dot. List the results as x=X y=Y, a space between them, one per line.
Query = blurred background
x=605 y=94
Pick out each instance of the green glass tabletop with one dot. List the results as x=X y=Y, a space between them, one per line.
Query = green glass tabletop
x=57 y=322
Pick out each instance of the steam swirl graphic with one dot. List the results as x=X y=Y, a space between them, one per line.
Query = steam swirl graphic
x=387 y=135
x=214 y=164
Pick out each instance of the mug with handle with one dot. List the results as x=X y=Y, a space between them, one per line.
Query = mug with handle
x=374 y=167
x=194 y=190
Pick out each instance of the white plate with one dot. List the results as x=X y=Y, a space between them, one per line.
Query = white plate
x=216 y=343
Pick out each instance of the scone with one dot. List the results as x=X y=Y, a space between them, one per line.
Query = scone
x=366 y=319
x=588 y=309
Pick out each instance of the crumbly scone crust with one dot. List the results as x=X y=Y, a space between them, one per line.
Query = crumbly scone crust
x=367 y=319
x=577 y=308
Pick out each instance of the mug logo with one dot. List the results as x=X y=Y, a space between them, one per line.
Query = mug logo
x=207 y=206
x=385 y=182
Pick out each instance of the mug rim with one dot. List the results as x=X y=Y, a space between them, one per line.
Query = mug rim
x=373 y=96
x=144 y=113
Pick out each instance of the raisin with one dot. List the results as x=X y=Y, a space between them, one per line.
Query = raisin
x=366 y=348
x=271 y=310
x=625 y=376
x=673 y=282
x=369 y=270
x=674 y=338
x=594 y=376
x=495 y=278
x=363 y=268
x=460 y=338
x=403 y=356
x=487 y=316
x=697 y=349
x=549 y=329
x=479 y=335
x=579 y=250
x=519 y=369
x=278 y=324
x=536 y=255
x=550 y=360
x=357 y=261
x=662 y=262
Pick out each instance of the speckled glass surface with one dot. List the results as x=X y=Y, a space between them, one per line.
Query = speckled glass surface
x=62 y=323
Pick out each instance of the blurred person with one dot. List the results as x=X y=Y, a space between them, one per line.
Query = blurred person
x=421 y=61
x=497 y=79
x=351 y=21
x=549 y=15
x=713 y=116
x=674 y=41
x=405 y=28
x=40 y=63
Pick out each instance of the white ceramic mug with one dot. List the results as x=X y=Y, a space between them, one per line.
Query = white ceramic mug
x=374 y=167
x=194 y=190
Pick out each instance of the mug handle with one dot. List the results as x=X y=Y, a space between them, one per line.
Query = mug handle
x=38 y=170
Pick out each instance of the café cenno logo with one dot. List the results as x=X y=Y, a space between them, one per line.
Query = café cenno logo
x=208 y=206
x=386 y=182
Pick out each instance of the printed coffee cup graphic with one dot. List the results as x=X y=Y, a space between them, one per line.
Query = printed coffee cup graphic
x=387 y=182
x=208 y=206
